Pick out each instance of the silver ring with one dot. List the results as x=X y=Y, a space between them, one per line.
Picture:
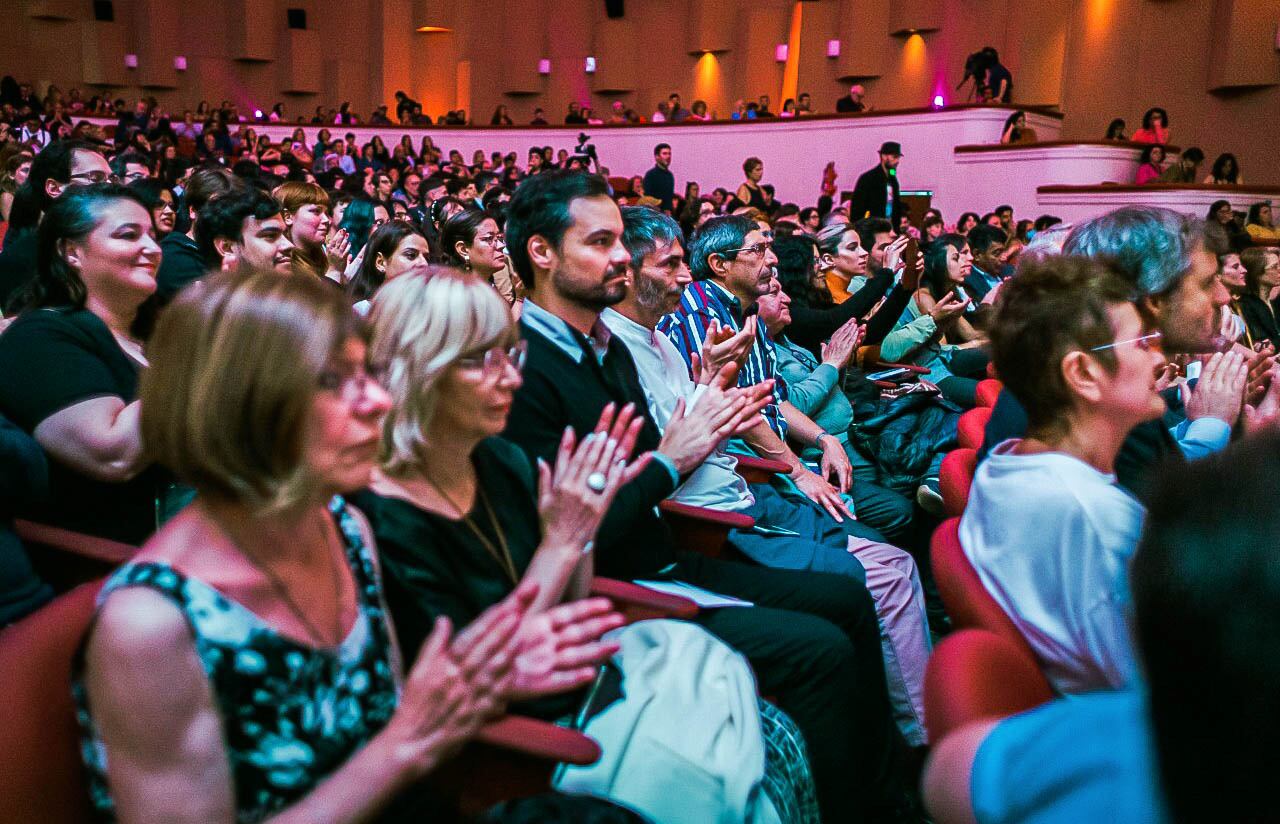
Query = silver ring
x=597 y=482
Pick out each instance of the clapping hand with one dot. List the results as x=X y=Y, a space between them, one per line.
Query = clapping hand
x=724 y=411
x=1219 y=393
x=560 y=648
x=337 y=250
x=844 y=342
x=721 y=347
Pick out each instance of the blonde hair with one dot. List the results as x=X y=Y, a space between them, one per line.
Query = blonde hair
x=236 y=360
x=422 y=324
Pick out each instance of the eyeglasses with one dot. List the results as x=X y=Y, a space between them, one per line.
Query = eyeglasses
x=1146 y=343
x=493 y=240
x=755 y=248
x=95 y=177
x=351 y=386
x=495 y=360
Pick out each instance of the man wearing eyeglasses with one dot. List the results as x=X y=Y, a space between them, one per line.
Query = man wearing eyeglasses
x=64 y=163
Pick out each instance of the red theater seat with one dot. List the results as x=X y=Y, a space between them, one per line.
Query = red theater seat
x=955 y=477
x=973 y=426
x=966 y=599
x=988 y=390
x=975 y=675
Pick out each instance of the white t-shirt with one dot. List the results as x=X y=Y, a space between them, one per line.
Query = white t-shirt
x=1051 y=538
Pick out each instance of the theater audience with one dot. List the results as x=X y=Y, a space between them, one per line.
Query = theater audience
x=1151 y=165
x=1260 y=225
x=1155 y=127
x=183 y=708
x=71 y=363
x=987 y=244
x=394 y=249
x=305 y=209
x=564 y=236
x=1261 y=277
x=160 y=202
x=1232 y=274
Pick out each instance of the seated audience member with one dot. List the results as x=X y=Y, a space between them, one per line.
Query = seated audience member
x=1221 y=214
x=852 y=102
x=1232 y=274
x=394 y=249
x=1173 y=275
x=472 y=241
x=1155 y=127
x=24 y=480
x=845 y=260
x=1260 y=224
x=183 y=707
x=1115 y=130
x=182 y=261
x=1261 y=277
x=54 y=170
x=1047 y=529
x=71 y=363
x=459 y=518
x=1225 y=171
x=361 y=218
x=1147 y=755
x=1185 y=169
x=933 y=331
x=807 y=537
x=1016 y=130
x=317 y=251
x=987 y=244
x=812 y=639
x=1150 y=165
x=129 y=166
x=966 y=222
x=244 y=227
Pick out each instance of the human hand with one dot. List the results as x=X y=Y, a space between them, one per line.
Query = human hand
x=893 y=253
x=354 y=265
x=559 y=649
x=822 y=493
x=570 y=510
x=1260 y=364
x=994 y=292
x=949 y=307
x=1165 y=376
x=844 y=342
x=835 y=464
x=723 y=346
x=1265 y=413
x=337 y=250
x=724 y=411
x=1219 y=393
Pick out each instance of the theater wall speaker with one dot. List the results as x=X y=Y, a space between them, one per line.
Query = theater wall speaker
x=613 y=8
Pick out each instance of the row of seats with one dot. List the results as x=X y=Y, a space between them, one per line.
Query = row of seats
x=985 y=670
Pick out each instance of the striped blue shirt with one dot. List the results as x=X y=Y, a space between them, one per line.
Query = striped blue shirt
x=705 y=300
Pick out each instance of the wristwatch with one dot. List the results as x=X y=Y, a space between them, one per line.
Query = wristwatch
x=818 y=440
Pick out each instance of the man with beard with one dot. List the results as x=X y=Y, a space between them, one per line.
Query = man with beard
x=790 y=532
x=244 y=228
x=812 y=638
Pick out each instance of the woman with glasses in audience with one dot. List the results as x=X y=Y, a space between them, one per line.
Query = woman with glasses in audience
x=159 y=201
x=361 y=217
x=71 y=362
x=933 y=331
x=1261 y=277
x=242 y=666
x=1047 y=528
x=462 y=517
x=395 y=249
x=472 y=241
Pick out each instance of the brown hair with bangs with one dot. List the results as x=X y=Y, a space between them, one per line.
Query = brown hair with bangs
x=236 y=361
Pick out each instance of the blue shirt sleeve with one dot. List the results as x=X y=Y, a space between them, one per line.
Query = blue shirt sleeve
x=1202 y=437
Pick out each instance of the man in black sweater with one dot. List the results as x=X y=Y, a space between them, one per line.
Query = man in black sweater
x=812 y=638
x=658 y=181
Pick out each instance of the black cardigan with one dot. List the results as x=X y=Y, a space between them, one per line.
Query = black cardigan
x=810 y=326
x=1260 y=317
x=632 y=541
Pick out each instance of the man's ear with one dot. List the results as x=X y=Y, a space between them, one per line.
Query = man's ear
x=718 y=264
x=53 y=189
x=226 y=249
x=541 y=253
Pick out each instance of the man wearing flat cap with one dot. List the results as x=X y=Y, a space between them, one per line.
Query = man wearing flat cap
x=876 y=193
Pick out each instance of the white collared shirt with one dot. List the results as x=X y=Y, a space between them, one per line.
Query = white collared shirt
x=664 y=377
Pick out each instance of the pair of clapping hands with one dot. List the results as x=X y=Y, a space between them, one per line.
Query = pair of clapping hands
x=1233 y=386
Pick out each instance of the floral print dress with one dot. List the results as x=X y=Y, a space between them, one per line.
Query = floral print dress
x=291 y=713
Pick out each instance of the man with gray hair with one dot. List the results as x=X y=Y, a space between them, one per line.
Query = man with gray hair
x=790 y=532
x=1169 y=259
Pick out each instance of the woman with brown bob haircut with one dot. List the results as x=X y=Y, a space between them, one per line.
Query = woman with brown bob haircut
x=317 y=249
x=241 y=667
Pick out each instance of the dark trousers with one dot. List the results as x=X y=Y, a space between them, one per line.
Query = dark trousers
x=814 y=643
x=967 y=366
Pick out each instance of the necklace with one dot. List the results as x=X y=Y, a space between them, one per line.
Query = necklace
x=501 y=553
x=282 y=592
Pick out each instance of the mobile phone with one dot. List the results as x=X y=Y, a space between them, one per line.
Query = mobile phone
x=910 y=254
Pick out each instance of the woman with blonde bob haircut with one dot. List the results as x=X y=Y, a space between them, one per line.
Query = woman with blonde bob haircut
x=462 y=517
x=242 y=667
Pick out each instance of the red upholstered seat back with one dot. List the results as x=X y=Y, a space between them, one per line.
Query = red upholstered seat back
x=954 y=479
x=966 y=599
x=973 y=427
x=42 y=778
x=973 y=675
x=988 y=390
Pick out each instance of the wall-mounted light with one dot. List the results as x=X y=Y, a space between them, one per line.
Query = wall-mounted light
x=590 y=66
x=432 y=29
x=780 y=52
x=833 y=48
x=180 y=63
x=544 y=66
x=938 y=102
x=131 y=61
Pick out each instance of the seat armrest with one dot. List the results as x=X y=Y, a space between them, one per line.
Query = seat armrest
x=702 y=530
x=880 y=366
x=638 y=603
x=540 y=739
x=757 y=470
x=729 y=520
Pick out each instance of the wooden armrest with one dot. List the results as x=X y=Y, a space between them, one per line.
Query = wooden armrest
x=639 y=603
x=540 y=739
x=756 y=470
x=729 y=520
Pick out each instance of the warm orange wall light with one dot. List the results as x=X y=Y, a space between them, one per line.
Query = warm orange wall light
x=1098 y=17
x=791 y=71
x=708 y=81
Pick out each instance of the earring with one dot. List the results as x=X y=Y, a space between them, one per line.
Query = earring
x=466 y=263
